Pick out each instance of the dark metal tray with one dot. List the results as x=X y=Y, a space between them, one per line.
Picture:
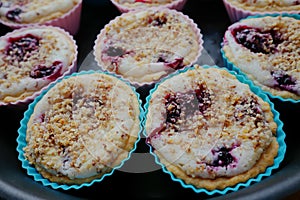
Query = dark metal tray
x=212 y=19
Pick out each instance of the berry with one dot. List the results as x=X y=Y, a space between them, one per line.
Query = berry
x=256 y=40
x=224 y=158
x=176 y=64
x=173 y=108
x=185 y=104
x=203 y=98
x=21 y=48
x=115 y=51
x=158 y=21
x=247 y=108
x=14 y=15
x=283 y=80
x=52 y=72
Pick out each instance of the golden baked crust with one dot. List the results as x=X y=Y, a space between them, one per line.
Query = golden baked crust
x=82 y=128
x=209 y=129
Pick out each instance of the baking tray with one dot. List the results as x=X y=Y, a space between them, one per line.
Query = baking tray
x=140 y=177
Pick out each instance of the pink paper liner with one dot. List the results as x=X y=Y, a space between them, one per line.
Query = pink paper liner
x=139 y=84
x=70 y=21
x=177 y=5
x=23 y=103
x=235 y=14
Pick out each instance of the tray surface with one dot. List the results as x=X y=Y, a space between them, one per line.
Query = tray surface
x=141 y=178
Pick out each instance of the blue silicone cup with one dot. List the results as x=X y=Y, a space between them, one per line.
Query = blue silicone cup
x=21 y=140
x=280 y=134
x=233 y=67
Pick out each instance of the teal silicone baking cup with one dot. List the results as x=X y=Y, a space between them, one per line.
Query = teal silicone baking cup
x=280 y=136
x=21 y=139
x=228 y=64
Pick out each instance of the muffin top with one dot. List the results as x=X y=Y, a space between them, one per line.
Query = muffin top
x=266 y=5
x=30 y=58
x=143 y=46
x=205 y=124
x=267 y=50
x=81 y=127
x=143 y=3
x=34 y=11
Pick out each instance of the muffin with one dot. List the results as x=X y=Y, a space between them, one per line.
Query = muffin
x=80 y=130
x=31 y=58
x=210 y=131
x=20 y=13
x=238 y=9
x=130 y=5
x=266 y=50
x=144 y=46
